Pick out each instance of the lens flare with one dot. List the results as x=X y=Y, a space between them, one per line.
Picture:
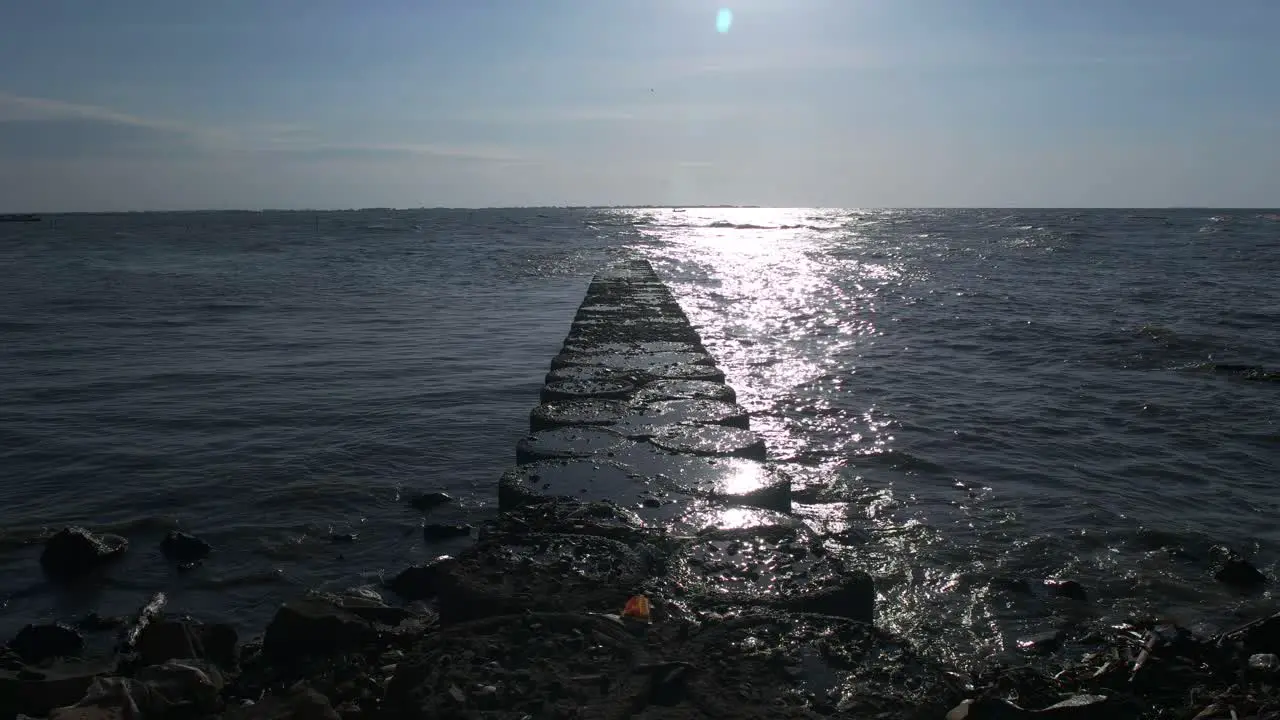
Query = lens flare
x=724 y=19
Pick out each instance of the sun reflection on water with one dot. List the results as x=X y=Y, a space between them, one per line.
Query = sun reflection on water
x=783 y=298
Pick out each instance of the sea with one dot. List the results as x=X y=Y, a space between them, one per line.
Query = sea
x=983 y=399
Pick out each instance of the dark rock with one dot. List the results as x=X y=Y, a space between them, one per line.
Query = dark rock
x=313 y=627
x=438 y=531
x=853 y=598
x=300 y=704
x=183 y=548
x=1067 y=589
x=989 y=709
x=364 y=604
x=165 y=640
x=36 y=692
x=428 y=500
x=419 y=582
x=1088 y=707
x=1232 y=569
x=38 y=643
x=1259 y=636
x=538 y=670
x=74 y=552
x=757 y=660
x=93 y=622
x=539 y=572
x=1012 y=585
x=191 y=685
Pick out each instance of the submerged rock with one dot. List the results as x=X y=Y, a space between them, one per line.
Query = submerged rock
x=1232 y=569
x=429 y=500
x=74 y=552
x=440 y=531
x=1067 y=589
x=183 y=548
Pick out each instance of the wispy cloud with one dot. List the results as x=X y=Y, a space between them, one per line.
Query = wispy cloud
x=33 y=125
x=21 y=108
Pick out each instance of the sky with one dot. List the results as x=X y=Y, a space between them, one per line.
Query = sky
x=156 y=104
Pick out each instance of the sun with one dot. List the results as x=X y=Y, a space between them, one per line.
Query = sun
x=724 y=20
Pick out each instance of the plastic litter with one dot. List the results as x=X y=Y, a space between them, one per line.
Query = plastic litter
x=637 y=608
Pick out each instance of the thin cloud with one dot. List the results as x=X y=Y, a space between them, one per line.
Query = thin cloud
x=52 y=119
x=22 y=108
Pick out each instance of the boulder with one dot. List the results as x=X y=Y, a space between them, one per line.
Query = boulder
x=38 y=643
x=37 y=691
x=74 y=552
x=298 y=704
x=311 y=626
x=419 y=582
x=161 y=641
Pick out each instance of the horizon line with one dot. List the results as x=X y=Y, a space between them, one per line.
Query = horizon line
x=633 y=207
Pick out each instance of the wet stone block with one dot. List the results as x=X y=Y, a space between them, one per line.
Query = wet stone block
x=711 y=440
x=592 y=373
x=685 y=390
x=564 y=413
x=829 y=666
x=733 y=481
x=632 y=347
x=539 y=665
x=774 y=566
x=631 y=361
x=682 y=371
x=612 y=332
x=568 y=442
x=535 y=571
x=585 y=480
x=649 y=419
x=582 y=389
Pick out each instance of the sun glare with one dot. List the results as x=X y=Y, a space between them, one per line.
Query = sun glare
x=724 y=19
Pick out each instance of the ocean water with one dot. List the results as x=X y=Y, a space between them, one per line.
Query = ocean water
x=983 y=396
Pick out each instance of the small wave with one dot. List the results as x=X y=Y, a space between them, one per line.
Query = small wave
x=20 y=326
x=740 y=226
x=1236 y=370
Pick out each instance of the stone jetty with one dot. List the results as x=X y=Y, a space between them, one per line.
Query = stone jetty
x=640 y=486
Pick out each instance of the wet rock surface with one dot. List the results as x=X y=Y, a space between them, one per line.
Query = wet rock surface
x=640 y=477
x=74 y=552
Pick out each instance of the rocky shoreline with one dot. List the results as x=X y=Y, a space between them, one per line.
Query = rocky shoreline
x=641 y=477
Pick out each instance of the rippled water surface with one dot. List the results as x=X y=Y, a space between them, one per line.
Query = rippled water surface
x=989 y=396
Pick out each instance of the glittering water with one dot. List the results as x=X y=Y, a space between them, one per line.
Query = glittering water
x=989 y=396
x=998 y=396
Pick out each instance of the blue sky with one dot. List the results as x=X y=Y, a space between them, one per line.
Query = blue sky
x=156 y=104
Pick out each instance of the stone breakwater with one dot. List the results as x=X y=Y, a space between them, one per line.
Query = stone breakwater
x=640 y=476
